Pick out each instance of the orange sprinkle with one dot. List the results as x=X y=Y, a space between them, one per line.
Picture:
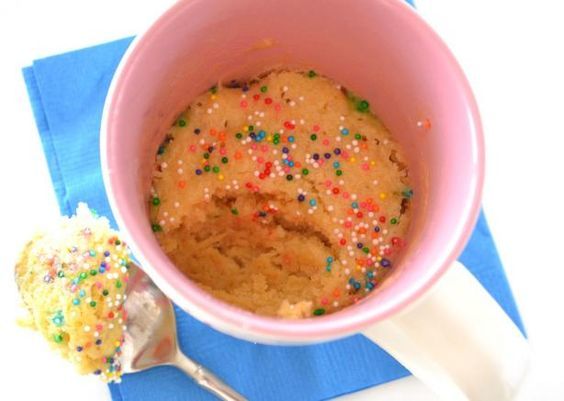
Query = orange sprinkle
x=221 y=136
x=181 y=184
x=238 y=155
x=213 y=132
x=362 y=230
x=336 y=293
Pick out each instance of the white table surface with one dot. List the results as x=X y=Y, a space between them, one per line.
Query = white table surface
x=513 y=54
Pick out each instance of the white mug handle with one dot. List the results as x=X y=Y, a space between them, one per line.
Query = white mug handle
x=457 y=340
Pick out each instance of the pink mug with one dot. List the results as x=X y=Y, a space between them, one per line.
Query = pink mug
x=431 y=314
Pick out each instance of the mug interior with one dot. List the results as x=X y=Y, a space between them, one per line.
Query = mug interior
x=381 y=50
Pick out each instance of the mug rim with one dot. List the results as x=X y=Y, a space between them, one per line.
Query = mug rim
x=248 y=325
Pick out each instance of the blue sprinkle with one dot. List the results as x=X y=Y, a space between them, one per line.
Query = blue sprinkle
x=97 y=372
x=262 y=134
x=82 y=293
x=329 y=259
x=336 y=165
x=351 y=280
x=345 y=131
x=312 y=202
x=291 y=163
x=92 y=253
x=290 y=139
x=107 y=253
x=370 y=274
x=369 y=286
x=79 y=348
x=354 y=205
x=101 y=270
x=356 y=285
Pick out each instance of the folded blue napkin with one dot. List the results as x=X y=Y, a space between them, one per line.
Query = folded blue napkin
x=67 y=94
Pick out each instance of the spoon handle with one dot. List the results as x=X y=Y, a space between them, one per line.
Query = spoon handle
x=206 y=379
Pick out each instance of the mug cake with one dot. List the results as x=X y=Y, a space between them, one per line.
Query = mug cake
x=283 y=195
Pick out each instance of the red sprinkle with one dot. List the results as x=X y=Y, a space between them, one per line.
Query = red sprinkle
x=268 y=100
x=382 y=219
x=336 y=191
x=256 y=97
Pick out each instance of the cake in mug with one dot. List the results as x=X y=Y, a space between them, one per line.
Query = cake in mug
x=284 y=195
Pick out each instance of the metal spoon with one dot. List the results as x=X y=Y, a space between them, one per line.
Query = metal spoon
x=150 y=338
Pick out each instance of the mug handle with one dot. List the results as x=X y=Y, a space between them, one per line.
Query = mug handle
x=457 y=340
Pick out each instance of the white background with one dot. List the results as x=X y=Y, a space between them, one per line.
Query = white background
x=513 y=54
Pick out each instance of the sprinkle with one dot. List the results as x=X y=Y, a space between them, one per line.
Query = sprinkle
x=311 y=74
x=319 y=312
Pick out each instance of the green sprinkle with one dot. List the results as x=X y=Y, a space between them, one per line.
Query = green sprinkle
x=105 y=292
x=276 y=141
x=213 y=90
x=61 y=274
x=393 y=220
x=305 y=171
x=319 y=312
x=181 y=122
x=118 y=242
x=339 y=172
x=206 y=155
x=156 y=227
x=251 y=127
x=93 y=304
x=207 y=168
x=357 y=136
x=263 y=89
x=83 y=275
x=234 y=211
x=363 y=106
x=161 y=150
x=312 y=74
x=215 y=169
x=58 y=338
x=289 y=177
x=313 y=137
x=407 y=193
x=156 y=201
x=276 y=135
x=93 y=272
x=224 y=160
x=238 y=135
x=118 y=284
x=365 y=249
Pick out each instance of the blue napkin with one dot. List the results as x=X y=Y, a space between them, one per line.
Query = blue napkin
x=67 y=94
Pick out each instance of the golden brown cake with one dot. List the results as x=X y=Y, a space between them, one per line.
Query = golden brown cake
x=284 y=196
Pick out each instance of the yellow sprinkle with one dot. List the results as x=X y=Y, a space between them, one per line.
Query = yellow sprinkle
x=358 y=267
x=117 y=343
x=220 y=177
x=269 y=138
x=352 y=159
x=245 y=128
x=213 y=97
x=378 y=258
x=382 y=195
x=372 y=163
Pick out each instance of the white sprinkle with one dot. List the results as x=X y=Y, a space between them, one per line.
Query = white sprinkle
x=171 y=219
x=353 y=196
x=164 y=165
x=338 y=139
x=179 y=161
x=87 y=328
x=292 y=103
x=335 y=304
x=209 y=111
x=285 y=88
x=215 y=106
x=258 y=123
x=176 y=204
x=330 y=208
x=96 y=334
x=202 y=141
x=342 y=118
x=162 y=222
x=261 y=114
x=180 y=171
x=250 y=118
x=110 y=326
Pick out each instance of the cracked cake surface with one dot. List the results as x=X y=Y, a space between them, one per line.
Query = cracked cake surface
x=283 y=195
